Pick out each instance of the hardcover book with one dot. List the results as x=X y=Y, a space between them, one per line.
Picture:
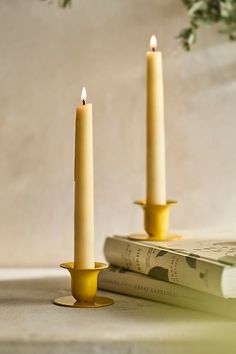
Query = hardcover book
x=205 y=265
x=138 y=285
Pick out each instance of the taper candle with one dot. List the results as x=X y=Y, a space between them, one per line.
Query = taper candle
x=156 y=170
x=84 y=194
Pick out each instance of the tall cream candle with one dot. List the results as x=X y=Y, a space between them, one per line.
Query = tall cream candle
x=84 y=194
x=156 y=170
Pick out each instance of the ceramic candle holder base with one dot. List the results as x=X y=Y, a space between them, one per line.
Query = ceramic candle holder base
x=156 y=222
x=84 y=288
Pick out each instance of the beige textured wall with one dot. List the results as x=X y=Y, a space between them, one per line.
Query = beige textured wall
x=47 y=54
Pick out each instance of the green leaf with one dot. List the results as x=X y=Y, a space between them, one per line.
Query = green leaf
x=208 y=12
x=198 y=6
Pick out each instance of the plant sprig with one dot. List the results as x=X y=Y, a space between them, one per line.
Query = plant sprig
x=208 y=12
x=61 y=3
x=201 y=12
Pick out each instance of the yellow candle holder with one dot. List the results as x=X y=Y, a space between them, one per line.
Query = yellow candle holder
x=156 y=222
x=84 y=288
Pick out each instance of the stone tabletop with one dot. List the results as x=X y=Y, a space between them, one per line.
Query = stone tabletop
x=31 y=323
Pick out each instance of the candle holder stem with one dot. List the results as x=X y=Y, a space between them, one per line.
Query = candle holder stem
x=156 y=222
x=84 y=288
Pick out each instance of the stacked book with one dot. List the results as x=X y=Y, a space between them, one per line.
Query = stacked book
x=196 y=274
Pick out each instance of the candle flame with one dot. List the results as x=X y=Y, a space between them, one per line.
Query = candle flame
x=83 y=95
x=153 y=42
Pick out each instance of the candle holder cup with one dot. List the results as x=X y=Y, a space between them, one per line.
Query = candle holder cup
x=156 y=222
x=84 y=288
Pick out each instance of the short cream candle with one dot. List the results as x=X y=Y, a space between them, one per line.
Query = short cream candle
x=156 y=170
x=84 y=189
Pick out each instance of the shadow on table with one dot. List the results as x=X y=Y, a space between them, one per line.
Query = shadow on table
x=43 y=290
x=33 y=291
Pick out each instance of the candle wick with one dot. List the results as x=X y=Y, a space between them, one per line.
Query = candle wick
x=153 y=49
x=83 y=102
